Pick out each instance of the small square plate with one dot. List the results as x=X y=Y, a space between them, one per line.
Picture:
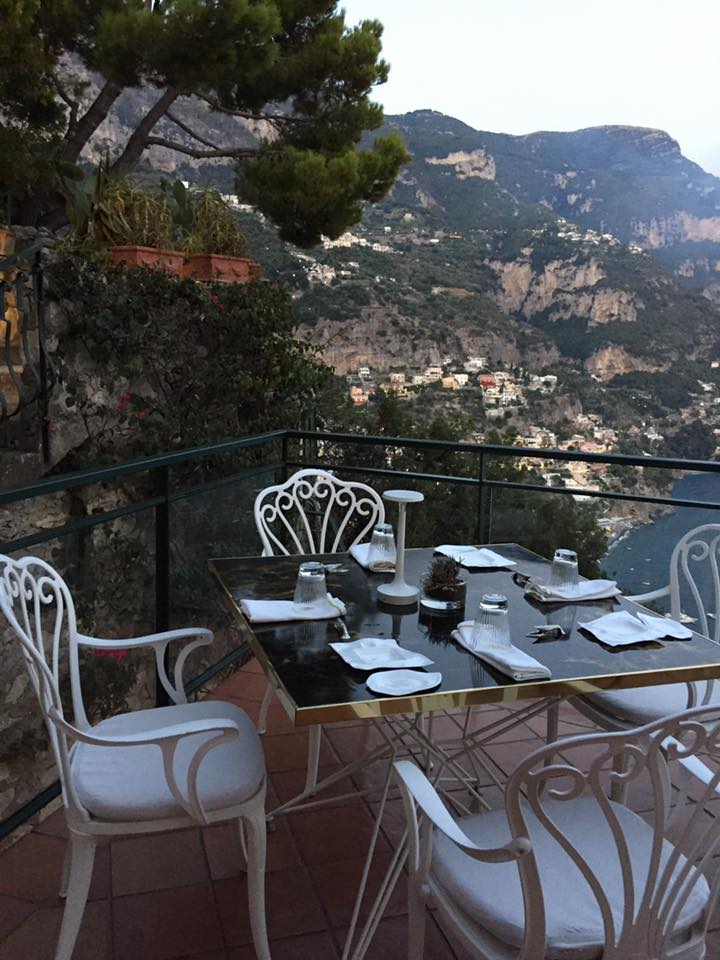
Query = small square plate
x=401 y=683
x=375 y=653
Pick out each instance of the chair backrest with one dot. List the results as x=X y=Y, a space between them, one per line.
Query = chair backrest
x=694 y=568
x=39 y=608
x=656 y=890
x=315 y=512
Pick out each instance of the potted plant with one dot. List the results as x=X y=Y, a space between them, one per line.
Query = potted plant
x=442 y=587
x=138 y=226
x=216 y=248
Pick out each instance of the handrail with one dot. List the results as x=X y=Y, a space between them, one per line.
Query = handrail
x=81 y=478
x=543 y=453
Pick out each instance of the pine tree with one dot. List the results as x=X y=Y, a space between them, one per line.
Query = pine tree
x=294 y=65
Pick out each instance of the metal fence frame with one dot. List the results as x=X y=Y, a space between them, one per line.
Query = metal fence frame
x=158 y=468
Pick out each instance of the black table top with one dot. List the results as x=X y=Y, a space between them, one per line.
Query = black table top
x=316 y=685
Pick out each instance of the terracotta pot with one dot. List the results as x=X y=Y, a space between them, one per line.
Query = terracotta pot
x=171 y=261
x=220 y=268
x=7 y=241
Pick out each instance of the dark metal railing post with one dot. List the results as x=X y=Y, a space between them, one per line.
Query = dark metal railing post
x=43 y=405
x=285 y=458
x=481 y=524
x=162 y=567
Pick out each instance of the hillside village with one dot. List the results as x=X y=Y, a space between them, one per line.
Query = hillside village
x=504 y=393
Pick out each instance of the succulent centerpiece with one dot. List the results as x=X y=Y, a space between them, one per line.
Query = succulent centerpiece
x=443 y=588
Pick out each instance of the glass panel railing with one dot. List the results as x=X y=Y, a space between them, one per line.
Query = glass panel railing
x=109 y=570
x=211 y=521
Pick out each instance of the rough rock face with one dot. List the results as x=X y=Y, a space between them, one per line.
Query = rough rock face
x=383 y=339
x=683 y=226
x=609 y=305
x=475 y=163
x=560 y=276
x=611 y=361
x=565 y=288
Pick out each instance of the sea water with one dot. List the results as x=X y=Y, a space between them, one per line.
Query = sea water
x=640 y=561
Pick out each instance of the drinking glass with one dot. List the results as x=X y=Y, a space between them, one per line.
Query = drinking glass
x=381 y=553
x=564 y=570
x=492 y=625
x=310 y=587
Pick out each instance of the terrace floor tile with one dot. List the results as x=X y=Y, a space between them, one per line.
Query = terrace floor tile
x=183 y=895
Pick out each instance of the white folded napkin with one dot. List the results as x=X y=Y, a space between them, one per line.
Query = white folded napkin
x=272 y=611
x=621 y=628
x=583 y=590
x=359 y=552
x=474 y=556
x=511 y=660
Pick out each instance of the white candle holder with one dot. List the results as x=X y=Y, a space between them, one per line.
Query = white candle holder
x=397 y=591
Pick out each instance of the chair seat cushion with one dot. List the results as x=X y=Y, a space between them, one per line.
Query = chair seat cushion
x=129 y=784
x=645 y=704
x=490 y=894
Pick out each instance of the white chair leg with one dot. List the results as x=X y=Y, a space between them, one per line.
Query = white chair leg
x=416 y=922
x=264 y=707
x=254 y=829
x=552 y=719
x=65 y=875
x=82 y=858
x=313 y=760
x=243 y=846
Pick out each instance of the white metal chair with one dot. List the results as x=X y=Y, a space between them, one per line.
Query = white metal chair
x=140 y=772
x=623 y=709
x=564 y=872
x=313 y=512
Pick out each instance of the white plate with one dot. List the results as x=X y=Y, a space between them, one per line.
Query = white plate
x=401 y=683
x=374 y=653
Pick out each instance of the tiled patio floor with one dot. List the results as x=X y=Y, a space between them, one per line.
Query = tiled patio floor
x=181 y=896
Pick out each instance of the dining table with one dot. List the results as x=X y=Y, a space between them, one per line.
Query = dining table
x=317 y=687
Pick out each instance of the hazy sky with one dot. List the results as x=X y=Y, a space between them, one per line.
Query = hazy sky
x=515 y=66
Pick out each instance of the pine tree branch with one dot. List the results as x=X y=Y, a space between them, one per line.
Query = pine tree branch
x=138 y=141
x=201 y=154
x=67 y=99
x=183 y=126
x=76 y=137
x=274 y=118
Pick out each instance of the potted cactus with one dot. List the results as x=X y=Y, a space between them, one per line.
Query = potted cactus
x=215 y=246
x=138 y=226
x=443 y=590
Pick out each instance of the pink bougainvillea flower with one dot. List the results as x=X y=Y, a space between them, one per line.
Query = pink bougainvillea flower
x=142 y=413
